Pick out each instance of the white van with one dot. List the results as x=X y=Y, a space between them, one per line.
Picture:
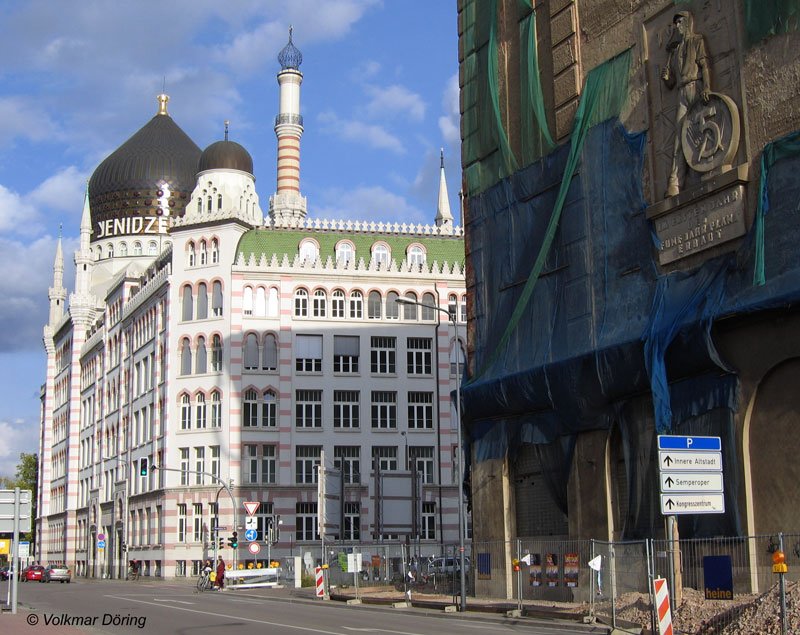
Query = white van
x=448 y=565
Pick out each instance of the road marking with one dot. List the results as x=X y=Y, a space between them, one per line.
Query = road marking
x=226 y=616
x=178 y=601
x=378 y=630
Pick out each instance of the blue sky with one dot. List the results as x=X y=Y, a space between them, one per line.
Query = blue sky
x=78 y=77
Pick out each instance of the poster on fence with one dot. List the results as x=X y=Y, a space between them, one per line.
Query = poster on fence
x=551 y=569
x=484 y=566
x=571 y=569
x=535 y=570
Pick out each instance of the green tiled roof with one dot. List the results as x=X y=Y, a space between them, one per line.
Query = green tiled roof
x=286 y=241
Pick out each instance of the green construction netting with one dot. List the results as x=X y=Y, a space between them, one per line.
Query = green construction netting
x=763 y=18
x=603 y=97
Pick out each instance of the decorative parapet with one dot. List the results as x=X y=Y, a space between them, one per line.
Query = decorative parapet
x=146 y=291
x=364 y=227
x=209 y=217
x=96 y=337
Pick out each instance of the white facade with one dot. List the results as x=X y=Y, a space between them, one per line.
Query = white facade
x=245 y=350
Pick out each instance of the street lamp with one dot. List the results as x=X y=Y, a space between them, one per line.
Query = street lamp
x=461 y=516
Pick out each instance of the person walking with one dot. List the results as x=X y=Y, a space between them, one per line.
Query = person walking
x=220 y=581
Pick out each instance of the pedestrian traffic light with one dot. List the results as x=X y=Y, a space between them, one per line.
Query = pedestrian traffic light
x=221 y=542
x=233 y=541
x=142 y=467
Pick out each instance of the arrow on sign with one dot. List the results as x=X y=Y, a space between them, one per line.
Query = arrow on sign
x=668 y=460
x=669 y=481
x=250 y=507
x=669 y=503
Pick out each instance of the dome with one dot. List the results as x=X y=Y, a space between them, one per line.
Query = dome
x=152 y=174
x=225 y=155
x=290 y=56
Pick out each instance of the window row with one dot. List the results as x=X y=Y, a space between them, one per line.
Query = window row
x=317 y=305
x=136 y=249
x=380 y=252
x=195 y=306
x=202 y=412
x=198 y=463
x=197 y=360
x=201 y=253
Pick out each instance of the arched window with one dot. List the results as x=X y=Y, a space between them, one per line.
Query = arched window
x=269 y=409
x=309 y=251
x=209 y=201
x=188 y=301
x=201 y=358
x=152 y=248
x=356 y=305
x=251 y=352
x=344 y=253
x=216 y=354
x=410 y=310
x=200 y=411
x=429 y=314
x=374 y=309
x=270 y=361
x=203 y=252
x=110 y=250
x=219 y=201
x=380 y=255
x=186 y=412
x=320 y=303
x=99 y=252
x=392 y=308
x=261 y=302
x=457 y=356
x=452 y=306
x=216 y=409
x=199 y=205
x=463 y=309
x=190 y=254
x=123 y=249
x=202 y=301
x=247 y=301
x=186 y=357
x=337 y=304
x=250 y=408
x=301 y=303
x=272 y=302
x=137 y=248
x=216 y=298
x=416 y=256
x=214 y=251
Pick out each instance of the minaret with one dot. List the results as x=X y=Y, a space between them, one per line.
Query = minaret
x=287 y=205
x=83 y=257
x=57 y=293
x=444 y=218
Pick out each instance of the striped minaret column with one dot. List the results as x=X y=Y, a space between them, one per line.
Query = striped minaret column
x=287 y=204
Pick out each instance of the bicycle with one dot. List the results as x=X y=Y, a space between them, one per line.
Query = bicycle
x=204 y=582
x=132 y=574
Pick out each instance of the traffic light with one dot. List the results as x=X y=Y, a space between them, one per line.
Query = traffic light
x=123 y=546
x=233 y=541
x=221 y=542
x=142 y=467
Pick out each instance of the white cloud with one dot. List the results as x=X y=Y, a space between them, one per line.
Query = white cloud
x=64 y=191
x=368 y=203
x=394 y=100
x=16 y=437
x=24 y=118
x=248 y=52
x=449 y=122
x=365 y=70
x=359 y=132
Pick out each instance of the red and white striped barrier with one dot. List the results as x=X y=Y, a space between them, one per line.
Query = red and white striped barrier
x=320 y=582
x=662 y=606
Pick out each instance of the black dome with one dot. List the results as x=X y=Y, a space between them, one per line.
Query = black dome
x=225 y=155
x=157 y=166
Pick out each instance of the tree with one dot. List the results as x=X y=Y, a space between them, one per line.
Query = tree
x=27 y=477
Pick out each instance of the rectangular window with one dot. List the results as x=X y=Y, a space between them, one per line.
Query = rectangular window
x=428 y=529
x=214 y=450
x=197 y=517
x=268 y=463
x=251 y=463
x=181 y=522
x=308 y=408
x=306 y=522
x=306 y=459
x=184 y=466
x=384 y=458
x=348 y=459
x=345 y=353
x=308 y=354
x=269 y=410
x=384 y=409
x=346 y=408
x=199 y=465
x=216 y=411
x=200 y=409
x=260 y=464
x=382 y=355
x=352 y=520
x=421 y=459
x=418 y=355
x=420 y=411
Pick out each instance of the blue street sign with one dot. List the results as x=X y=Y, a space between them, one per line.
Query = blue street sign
x=250 y=535
x=673 y=442
x=101 y=544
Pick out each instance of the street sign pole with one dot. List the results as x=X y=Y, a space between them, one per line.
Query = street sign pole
x=15 y=552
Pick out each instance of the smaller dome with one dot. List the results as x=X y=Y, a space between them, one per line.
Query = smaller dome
x=225 y=155
x=290 y=56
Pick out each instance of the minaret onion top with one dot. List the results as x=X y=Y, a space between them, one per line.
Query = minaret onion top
x=290 y=57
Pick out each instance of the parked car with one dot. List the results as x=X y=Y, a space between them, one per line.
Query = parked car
x=448 y=565
x=58 y=573
x=33 y=573
x=4 y=574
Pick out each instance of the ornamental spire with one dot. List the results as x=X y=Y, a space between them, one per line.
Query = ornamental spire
x=290 y=57
x=444 y=217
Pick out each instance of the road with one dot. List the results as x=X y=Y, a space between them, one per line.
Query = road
x=167 y=608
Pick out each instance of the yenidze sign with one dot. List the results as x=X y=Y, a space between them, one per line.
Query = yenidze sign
x=718 y=577
x=132 y=225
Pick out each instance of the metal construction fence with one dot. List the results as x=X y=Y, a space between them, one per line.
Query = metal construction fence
x=608 y=581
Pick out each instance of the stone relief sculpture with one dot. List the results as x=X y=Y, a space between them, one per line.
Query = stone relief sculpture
x=686 y=68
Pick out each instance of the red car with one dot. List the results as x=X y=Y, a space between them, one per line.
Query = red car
x=33 y=573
